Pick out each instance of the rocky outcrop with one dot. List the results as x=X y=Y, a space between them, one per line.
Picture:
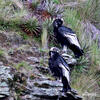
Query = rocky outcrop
x=91 y=31
x=36 y=83
x=10 y=38
x=41 y=87
x=45 y=89
x=69 y=59
x=5 y=75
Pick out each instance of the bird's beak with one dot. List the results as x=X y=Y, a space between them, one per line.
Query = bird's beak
x=51 y=54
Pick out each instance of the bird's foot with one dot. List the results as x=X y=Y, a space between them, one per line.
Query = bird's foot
x=74 y=91
x=65 y=90
x=75 y=96
x=70 y=91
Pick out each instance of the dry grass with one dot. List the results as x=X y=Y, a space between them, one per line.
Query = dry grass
x=84 y=75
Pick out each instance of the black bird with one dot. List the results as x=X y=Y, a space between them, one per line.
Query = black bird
x=59 y=68
x=67 y=38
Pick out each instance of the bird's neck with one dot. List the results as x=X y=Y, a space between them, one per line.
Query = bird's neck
x=55 y=31
x=56 y=28
x=55 y=57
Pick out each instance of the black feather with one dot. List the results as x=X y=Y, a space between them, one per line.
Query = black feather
x=61 y=32
x=54 y=64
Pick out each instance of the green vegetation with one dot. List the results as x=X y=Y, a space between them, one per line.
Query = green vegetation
x=1 y=53
x=52 y=8
x=22 y=64
x=44 y=38
x=90 y=10
x=84 y=72
x=16 y=21
x=35 y=3
x=41 y=62
x=56 y=1
x=31 y=26
x=47 y=24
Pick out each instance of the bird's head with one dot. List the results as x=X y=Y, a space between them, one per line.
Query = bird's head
x=57 y=23
x=53 y=52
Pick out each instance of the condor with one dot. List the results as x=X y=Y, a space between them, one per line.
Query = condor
x=60 y=68
x=67 y=38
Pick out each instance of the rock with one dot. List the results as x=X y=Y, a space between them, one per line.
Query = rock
x=69 y=59
x=33 y=59
x=4 y=59
x=33 y=84
x=1 y=63
x=4 y=89
x=5 y=74
x=15 y=39
x=26 y=97
x=68 y=96
x=11 y=37
x=91 y=31
x=35 y=49
x=43 y=70
x=48 y=83
x=44 y=89
x=3 y=37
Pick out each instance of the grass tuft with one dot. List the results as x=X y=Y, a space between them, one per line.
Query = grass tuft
x=24 y=65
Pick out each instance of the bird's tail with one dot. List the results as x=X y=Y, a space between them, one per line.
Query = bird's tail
x=77 y=51
x=74 y=45
x=66 y=84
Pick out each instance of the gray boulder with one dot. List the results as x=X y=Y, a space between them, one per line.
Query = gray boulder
x=5 y=74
